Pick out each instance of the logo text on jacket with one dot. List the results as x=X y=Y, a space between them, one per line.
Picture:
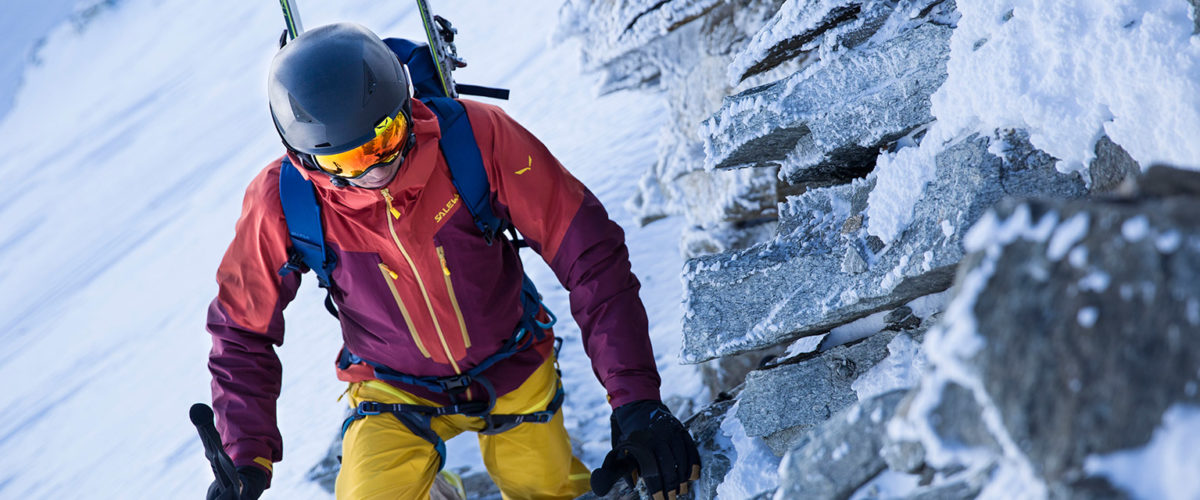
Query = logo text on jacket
x=449 y=205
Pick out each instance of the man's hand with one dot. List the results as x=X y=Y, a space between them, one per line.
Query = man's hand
x=253 y=480
x=651 y=443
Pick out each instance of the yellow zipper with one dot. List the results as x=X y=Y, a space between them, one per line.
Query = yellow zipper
x=462 y=324
x=390 y=276
x=420 y=283
x=388 y=198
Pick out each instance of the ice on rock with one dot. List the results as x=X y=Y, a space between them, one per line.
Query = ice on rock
x=781 y=290
x=754 y=469
x=1087 y=317
x=1067 y=235
x=794 y=26
x=1095 y=281
x=812 y=131
x=1135 y=228
x=1169 y=241
x=1078 y=257
x=900 y=370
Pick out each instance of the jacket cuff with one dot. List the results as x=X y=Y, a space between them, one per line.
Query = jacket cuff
x=248 y=454
x=623 y=389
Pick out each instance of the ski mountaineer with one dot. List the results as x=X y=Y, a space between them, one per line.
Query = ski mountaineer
x=441 y=334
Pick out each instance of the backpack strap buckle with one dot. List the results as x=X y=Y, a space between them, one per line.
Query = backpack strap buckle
x=294 y=264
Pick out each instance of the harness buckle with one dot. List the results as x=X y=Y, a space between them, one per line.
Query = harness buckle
x=456 y=383
x=370 y=408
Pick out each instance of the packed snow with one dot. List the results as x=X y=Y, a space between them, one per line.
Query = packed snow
x=902 y=369
x=1068 y=72
x=902 y=177
x=755 y=469
x=1165 y=468
x=127 y=152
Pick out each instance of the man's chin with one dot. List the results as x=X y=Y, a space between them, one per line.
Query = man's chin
x=376 y=178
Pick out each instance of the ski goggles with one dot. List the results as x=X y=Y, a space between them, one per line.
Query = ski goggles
x=384 y=148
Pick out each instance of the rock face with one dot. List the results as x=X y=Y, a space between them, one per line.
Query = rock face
x=777 y=409
x=681 y=48
x=1089 y=311
x=830 y=124
x=781 y=290
x=1112 y=167
x=1116 y=330
x=842 y=454
x=792 y=124
x=804 y=406
x=714 y=447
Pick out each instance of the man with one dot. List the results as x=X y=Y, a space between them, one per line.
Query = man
x=430 y=310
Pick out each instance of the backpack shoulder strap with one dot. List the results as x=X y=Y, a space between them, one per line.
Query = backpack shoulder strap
x=466 y=164
x=302 y=213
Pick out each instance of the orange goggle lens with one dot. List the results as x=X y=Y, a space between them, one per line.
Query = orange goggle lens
x=384 y=148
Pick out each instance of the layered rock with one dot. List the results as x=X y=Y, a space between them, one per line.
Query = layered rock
x=801 y=27
x=777 y=409
x=830 y=122
x=779 y=291
x=682 y=49
x=842 y=454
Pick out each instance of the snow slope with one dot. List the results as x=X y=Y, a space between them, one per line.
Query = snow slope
x=126 y=154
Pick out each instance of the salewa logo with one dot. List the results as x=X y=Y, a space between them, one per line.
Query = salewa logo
x=526 y=169
x=449 y=205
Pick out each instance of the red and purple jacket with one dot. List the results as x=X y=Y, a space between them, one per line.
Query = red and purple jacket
x=418 y=288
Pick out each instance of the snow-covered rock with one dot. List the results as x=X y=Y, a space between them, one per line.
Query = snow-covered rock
x=829 y=121
x=716 y=450
x=797 y=28
x=840 y=455
x=797 y=285
x=775 y=407
x=681 y=49
x=1072 y=332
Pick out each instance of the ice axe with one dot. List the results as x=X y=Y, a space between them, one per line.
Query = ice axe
x=227 y=485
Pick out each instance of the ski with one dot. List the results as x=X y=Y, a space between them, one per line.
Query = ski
x=291 y=18
x=440 y=34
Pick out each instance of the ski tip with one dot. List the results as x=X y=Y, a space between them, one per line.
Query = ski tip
x=201 y=414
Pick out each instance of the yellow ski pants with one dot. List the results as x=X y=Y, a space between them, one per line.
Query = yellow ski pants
x=382 y=459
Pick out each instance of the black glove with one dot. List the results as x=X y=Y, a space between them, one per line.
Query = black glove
x=649 y=442
x=253 y=479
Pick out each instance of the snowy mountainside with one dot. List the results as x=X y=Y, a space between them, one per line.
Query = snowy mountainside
x=129 y=147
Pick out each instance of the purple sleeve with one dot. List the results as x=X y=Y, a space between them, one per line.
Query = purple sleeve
x=246 y=377
x=592 y=262
x=246 y=323
x=569 y=228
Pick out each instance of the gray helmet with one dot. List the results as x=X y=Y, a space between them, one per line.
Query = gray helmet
x=330 y=86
